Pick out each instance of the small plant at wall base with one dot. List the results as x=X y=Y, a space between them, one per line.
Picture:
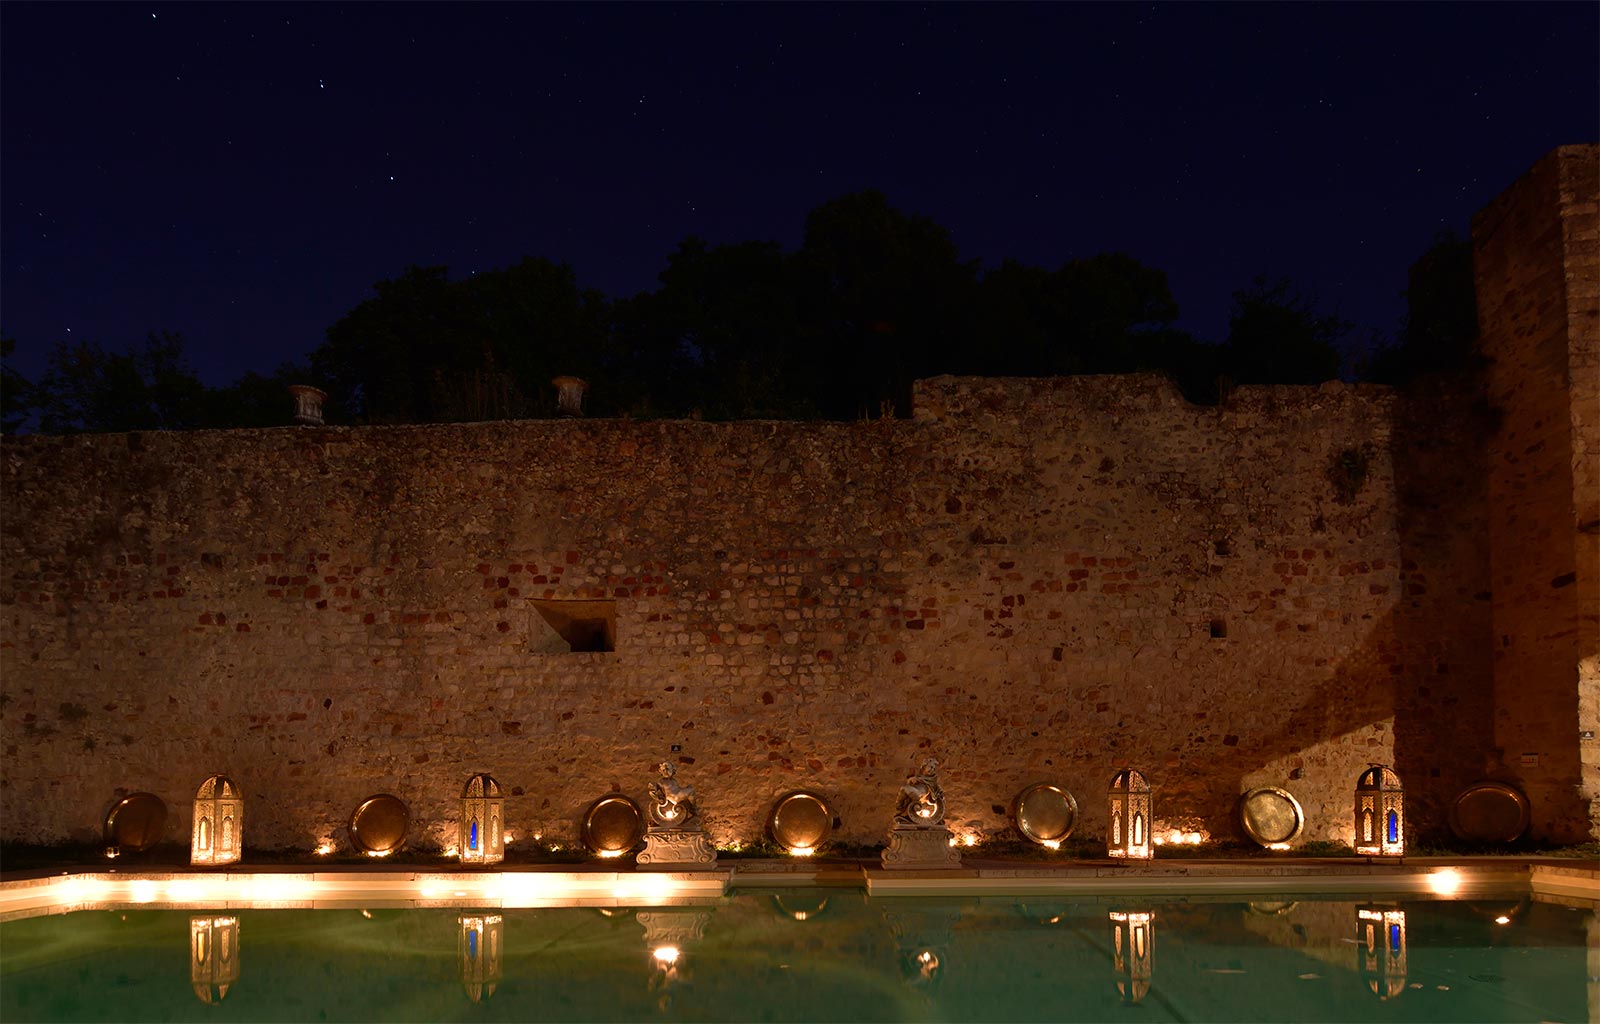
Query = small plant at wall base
x=1348 y=470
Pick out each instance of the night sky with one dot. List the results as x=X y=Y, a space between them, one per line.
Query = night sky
x=243 y=173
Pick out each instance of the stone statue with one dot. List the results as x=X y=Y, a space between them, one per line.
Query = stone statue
x=921 y=803
x=671 y=801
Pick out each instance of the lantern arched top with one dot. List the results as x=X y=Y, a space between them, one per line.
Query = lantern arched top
x=217 y=787
x=480 y=785
x=1129 y=780
x=1380 y=778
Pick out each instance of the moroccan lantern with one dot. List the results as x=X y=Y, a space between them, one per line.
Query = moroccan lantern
x=479 y=951
x=482 y=836
x=1129 y=816
x=218 y=836
x=1381 y=949
x=213 y=955
x=1132 y=946
x=1380 y=813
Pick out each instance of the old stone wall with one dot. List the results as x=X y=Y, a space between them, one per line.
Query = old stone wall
x=1537 y=267
x=1030 y=580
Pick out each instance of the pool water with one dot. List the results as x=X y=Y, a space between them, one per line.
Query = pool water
x=817 y=955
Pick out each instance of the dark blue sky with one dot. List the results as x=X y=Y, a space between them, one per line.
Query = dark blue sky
x=243 y=173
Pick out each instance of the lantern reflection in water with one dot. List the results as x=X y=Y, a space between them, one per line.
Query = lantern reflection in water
x=1381 y=949
x=478 y=952
x=213 y=955
x=1132 y=947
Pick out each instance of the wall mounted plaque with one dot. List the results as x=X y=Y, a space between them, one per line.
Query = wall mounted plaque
x=380 y=824
x=1489 y=812
x=801 y=821
x=1045 y=814
x=136 y=823
x=612 y=825
x=1271 y=816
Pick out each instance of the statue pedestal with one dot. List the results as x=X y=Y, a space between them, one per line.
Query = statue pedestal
x=676 y=848
x=921 y=848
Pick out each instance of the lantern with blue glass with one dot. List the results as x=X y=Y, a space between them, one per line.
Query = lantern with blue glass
x=1380 y=813
x=481 y=838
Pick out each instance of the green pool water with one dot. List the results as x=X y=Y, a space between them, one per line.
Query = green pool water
x=817 y=955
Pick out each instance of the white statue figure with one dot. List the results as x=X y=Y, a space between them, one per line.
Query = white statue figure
x=671 y=801
x=921 y=800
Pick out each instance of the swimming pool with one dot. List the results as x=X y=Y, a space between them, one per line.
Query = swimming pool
x=818 y=954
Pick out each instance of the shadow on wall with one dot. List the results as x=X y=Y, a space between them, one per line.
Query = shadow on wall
x=1444 y=689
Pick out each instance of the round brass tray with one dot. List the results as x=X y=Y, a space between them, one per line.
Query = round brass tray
x=1271 y=816
x=613 y=824
x=136 y=822
x=1045 y=813
x=801 y=820
x=1489 y=812
x=380 y=824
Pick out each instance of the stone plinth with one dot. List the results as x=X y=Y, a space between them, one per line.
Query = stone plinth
x=921 y=848
x=676 y=848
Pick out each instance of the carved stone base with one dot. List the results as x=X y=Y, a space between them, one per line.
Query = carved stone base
x=676 y=848
x=920 y=848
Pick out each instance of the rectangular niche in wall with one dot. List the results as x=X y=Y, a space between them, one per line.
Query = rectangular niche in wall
x=573 y=627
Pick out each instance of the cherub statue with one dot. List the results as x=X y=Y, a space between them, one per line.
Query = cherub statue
x=921 y=800
x=671 y=801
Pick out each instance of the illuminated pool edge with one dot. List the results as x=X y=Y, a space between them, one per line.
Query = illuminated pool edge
x=236 y=890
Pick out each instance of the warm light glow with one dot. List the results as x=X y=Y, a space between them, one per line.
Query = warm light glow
x=379 y=853
x=952 y=840
x=506 y=838
x=452 y=851
x=611 y=853
x=143 y=891
x=1194 y=838
x=665 y=954
x=1052 y=844
x=1278 y=846
x=969 y=840
x=802 y=851
x=112 y=853
x=1502 y=919
x=1446 y=882
x=1159 y=841
x=324 y=849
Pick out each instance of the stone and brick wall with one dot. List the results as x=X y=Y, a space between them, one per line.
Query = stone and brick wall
x=1538 y=281
x=1030 y=580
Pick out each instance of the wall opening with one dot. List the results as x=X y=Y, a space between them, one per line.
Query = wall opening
x=573 y=627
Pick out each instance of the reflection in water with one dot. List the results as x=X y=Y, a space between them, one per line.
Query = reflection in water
x=479 y=952
x=1132 y=946
x=800 y=907
x=1381 y=949
x=668 y=934
x=213 y=955
x=923 y=937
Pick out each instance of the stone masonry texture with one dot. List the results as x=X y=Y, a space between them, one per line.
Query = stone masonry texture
x=1030 y=580
x=1537 y=266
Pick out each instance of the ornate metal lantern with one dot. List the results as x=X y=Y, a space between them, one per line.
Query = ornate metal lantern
x=1129 y=815
x=1381 y=949
x=1132 y=947
x=1380 y=813
x=482 y=832
x=479 y=952
x=218 y=836
x=213 y=955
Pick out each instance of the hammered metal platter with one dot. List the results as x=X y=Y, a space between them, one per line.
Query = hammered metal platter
x=613 y=824
x=136 y=822
x=1045 y=813
x=380 y=824
x=801 y=820
x=1271 y=816
x=1490 y=812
